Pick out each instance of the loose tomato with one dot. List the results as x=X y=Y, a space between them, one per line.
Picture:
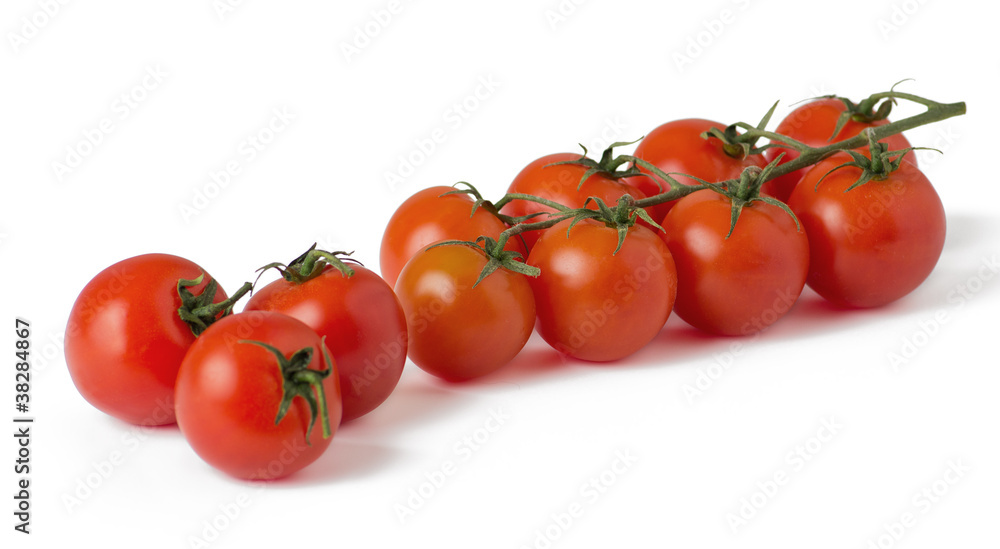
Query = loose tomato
x=362 y=321
x=459 y=330
x=875 y=243
x=597 y=305
x=430 y=216
x=243 y=395
x=813 y=124
x=678 y=147
x=741 y=284
x=125 y=339
x=559 y=184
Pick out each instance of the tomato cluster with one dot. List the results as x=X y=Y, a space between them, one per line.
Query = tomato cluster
x=152 y=340
x=592 y=255
x=702 y=222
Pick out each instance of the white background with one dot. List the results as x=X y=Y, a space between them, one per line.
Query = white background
x=603 y=71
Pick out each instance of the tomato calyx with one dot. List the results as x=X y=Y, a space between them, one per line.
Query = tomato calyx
x=746 y=190
x=622 y=217
x=741 y=145
x=311 y=264
x=297 y=380
x=609 y=166
x=198 y=311
x=496 y=255
x=870 y=109
x=879 y=166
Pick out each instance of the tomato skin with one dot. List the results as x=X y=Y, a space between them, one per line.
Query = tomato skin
x=457 y=332
x=426 y=218
x=125 y=341
x=559 y=184
x=228 y=393
x=739 y=285
x=362 y=321
x=677 y=146
x=596 y=306
x=874 y=244
x=813 y=124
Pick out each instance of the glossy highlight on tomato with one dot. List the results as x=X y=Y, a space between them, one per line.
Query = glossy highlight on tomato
x=431 y=216
x=459 y=330
x=597 y=305
x=740 y=284
x=230 y=388
x=874 y=244
x=362 y=321
x=125 y=340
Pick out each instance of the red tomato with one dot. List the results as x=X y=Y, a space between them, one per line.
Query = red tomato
x=813 y=124
x=426 y=218
x=559 y=184
x=678 y=147
x=362 y=321
x=125 y=339
x=230 y=389
x=593 y=304
x=457 y=331
x=875 y=243
x=741 y=284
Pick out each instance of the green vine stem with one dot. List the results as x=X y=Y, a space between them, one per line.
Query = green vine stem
x=198 y=311
x=297 y=380
x=936 y=112
x=309 y=265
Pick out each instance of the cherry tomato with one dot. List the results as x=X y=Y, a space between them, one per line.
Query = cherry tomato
x=559 y=184
x=813 y=124
x=231 y=387
x=741 y=284
x=362 y=321
x=456 y=331
x=875 y=243
x=597 y=305
x=125 y=340
x=428 y=217
x=678 y=147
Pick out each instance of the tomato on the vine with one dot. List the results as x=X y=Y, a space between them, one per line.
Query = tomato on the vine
x=125 y=338
x=597 y=304
x=875 y=243
x=678 y=146
x=561 y=183
x=740 y=284
x=258 y=395
x=363 y=324
x=459 y=330
x=431 y=216
x=813 y=124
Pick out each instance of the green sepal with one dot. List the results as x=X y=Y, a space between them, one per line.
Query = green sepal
x=198 y=311
x=297 y=380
